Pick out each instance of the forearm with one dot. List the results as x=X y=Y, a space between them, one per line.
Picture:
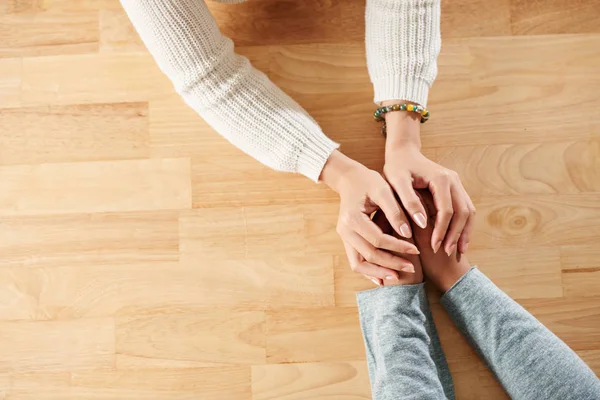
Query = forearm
x=240 y=102
x=529 y=360
x=404 y=355
x=403 y=42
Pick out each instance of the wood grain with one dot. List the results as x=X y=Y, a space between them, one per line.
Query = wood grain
x=327 y=334
x=554 y=17
x=207 y=335
x=124 y=133
x=222 y=383
x=57 y=345
x=10 y=82
x=95 y=187
x=29 y=30
x=348 y=381
x=142 y=256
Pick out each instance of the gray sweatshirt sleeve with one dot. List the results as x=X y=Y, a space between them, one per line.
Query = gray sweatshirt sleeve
x=529 y=361
x=404 y=354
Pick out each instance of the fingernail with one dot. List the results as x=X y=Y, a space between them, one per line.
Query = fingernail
x=390 y=278
x=375 y=281
x=413 y=250
x=408 y=268
x=436 y=247
x=451 y=250
x=405 y=231
x=420 y=220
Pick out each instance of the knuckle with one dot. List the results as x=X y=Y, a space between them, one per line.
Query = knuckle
x=347 y=219
x=446 y=211
x=377 y=241
x=464 y=211
x=413 y=204
x=371 y=256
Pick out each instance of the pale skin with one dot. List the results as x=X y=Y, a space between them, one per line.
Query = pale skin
x=372 y=252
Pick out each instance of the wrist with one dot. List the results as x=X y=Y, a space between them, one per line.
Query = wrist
x=336 y=169
x=403 y=128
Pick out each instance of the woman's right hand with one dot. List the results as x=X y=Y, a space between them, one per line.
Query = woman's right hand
x=362 y=192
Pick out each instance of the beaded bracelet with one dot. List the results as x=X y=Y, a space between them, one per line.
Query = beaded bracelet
x=381 y=111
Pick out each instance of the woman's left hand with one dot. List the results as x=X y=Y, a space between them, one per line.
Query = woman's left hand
x=407 y=169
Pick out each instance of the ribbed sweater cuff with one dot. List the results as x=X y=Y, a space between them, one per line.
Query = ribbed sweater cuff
x=401 y=87
x=313 y=157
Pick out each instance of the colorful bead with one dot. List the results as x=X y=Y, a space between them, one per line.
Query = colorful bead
x=403 y=107
x=410 y=107
x=396 y=107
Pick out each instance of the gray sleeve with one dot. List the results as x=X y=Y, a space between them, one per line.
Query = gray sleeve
x=529 y=361
x=404 y=354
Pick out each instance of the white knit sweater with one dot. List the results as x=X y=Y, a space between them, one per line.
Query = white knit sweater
x=243 y=105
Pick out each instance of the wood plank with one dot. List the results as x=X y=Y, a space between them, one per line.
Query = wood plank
x=207 y=335
x=311 y=335
x=312 y=21
x=580 y=257
x=475 y=18
x=222 y=383
x=31 y=30
x=574 y=320
x=536 y=220
x=347 y=380
x=101 y=186
x=81 y=289
x=4 y=385
x=554 y=17
x=260 y=231
x=522 y=273
x=70 y=133
x=262 y=283
x=581 y=282
x=57 y=345
x=10 y=82
x=117 y=78
x=117 y=34
x=89 y=239
x=274 y=22
x=537 y=168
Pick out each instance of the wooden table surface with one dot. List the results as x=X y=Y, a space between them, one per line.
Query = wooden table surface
x=143 y=257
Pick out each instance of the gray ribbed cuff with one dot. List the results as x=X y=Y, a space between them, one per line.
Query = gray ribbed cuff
x=400 y=87
x=313 y=157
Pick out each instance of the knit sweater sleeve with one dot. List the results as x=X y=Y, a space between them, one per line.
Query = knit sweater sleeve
x=237 y=100
x=403 y=42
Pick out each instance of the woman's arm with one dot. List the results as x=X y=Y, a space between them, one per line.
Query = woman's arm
x=403 y=42
x=243 y=105
x=237 y=100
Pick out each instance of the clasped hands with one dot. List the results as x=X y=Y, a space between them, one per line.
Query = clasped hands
x=362 y=191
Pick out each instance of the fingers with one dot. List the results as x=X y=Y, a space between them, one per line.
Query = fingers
x=373 y=234
x=410 y=200
x=459 y=220
x=370 y=270
x=442 y=197
x=463 y=242
x=384 y=198
x=372 y=256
